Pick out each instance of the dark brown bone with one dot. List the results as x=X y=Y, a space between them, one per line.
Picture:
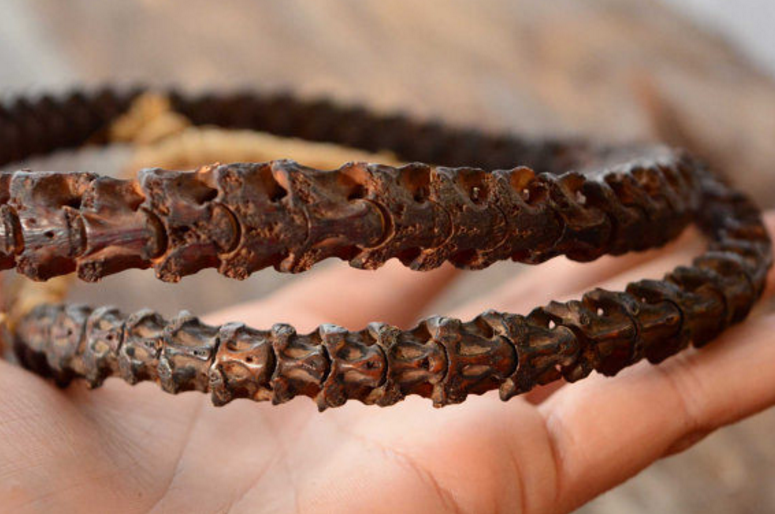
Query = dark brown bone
x=240 y=218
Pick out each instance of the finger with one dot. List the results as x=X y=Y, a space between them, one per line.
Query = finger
x=667 y=262
x=606 y=430
x=348 y=297
x=654 y=269
x=562 y=277
x=568 y=281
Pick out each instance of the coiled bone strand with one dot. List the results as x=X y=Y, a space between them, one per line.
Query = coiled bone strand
x=243 y=217
x=441 y=358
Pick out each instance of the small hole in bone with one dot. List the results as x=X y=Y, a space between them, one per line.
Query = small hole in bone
x=278 y=194
x=49 y=234
x=600 y=311
x=551 y=324
x=420 y=195
x=357 y=193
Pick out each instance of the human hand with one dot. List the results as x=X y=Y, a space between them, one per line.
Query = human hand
x=127 y=449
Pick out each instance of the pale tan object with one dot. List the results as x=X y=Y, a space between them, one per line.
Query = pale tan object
x=196 y=147
x=27 y=295
x=166 y=139
x=149 y=119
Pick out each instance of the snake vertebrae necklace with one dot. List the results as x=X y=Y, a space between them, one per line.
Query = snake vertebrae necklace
x=570 y=198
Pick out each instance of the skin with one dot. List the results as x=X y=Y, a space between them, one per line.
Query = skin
x=138 y=450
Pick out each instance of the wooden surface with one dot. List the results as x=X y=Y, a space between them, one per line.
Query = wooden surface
x=612 y=69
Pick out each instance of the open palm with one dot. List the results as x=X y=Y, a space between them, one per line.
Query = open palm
x=123 y=449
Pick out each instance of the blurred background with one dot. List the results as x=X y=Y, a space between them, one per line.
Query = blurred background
x=696 y=73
